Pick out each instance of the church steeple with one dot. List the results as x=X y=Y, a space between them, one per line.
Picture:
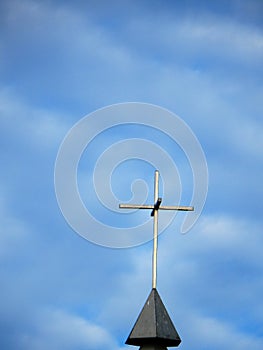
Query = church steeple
x=154 y=329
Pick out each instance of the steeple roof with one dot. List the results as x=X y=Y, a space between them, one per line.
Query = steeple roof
x=154 y=326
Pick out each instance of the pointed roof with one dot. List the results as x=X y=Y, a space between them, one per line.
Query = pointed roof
x=154 y=325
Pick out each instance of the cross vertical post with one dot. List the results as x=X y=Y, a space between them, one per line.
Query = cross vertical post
x=155 y=230
x=155 y=208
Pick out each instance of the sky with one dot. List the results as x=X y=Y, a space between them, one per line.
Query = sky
x=61 y=61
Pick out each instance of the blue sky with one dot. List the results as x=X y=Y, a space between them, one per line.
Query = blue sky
x=61 y=60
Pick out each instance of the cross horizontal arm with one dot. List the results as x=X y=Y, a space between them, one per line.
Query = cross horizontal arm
x=136 y=206
x=176 y=207
x=163 y=207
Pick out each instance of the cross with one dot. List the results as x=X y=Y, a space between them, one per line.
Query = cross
x=155 y=207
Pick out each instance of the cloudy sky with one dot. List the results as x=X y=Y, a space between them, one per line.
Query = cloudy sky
x=61 y=60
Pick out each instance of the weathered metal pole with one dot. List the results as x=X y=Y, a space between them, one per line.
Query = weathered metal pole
x=155 y=230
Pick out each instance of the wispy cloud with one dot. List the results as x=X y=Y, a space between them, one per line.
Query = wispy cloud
x=56 y=329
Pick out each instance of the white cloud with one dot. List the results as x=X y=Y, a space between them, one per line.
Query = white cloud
x=207 y=35
x=13 y=233
x=57 y=329
x=247 y=139
x=43 y=128
x=211 y=333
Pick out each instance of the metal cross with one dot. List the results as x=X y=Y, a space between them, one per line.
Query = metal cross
x=155 y=207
